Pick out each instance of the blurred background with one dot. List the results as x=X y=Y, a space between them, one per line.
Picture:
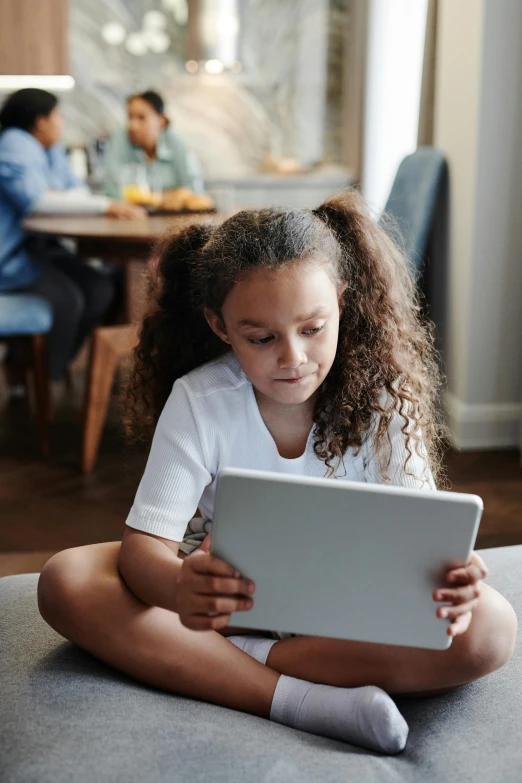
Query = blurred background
x=416 y=102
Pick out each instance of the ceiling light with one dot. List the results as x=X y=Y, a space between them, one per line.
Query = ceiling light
x=43 y=82
x=158 y=41
x=136 y=44
x=179 y=9
x=154 y=20
x=113 y=33
x=214 y=66
x=214 y=32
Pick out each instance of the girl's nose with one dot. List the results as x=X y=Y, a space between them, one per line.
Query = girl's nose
x=291 y=357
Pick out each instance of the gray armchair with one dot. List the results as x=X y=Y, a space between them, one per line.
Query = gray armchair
x=417 y=192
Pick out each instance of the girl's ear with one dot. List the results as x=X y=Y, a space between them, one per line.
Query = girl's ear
x=216 y=324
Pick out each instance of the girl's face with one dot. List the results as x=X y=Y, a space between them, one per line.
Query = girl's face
x=283 y=327
x=144 y=124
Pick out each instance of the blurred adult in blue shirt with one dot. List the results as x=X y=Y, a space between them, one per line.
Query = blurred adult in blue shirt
x=149 y=141
x=35 y=179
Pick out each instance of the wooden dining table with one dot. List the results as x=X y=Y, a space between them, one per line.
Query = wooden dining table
x=125 y=242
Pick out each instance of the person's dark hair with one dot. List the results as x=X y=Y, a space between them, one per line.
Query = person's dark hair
x=151 y=97
x=385 y=360
x=21 y=109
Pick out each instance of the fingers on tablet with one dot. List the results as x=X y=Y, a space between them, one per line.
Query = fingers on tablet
x=213 y=565
x=478 y=561
x=460 y=625
x=452 y=612
x=220 y=604
x=458 y=595
x=466 y=575
x=224 y=586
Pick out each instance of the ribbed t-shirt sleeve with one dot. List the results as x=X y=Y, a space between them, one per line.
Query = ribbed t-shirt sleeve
x=177 y=470
x=408 y=461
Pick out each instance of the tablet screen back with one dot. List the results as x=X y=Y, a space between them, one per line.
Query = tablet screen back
x=342 y=559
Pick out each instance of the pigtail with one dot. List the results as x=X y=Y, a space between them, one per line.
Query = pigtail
x=174 y=337
x=377 y=272
x=386 y=363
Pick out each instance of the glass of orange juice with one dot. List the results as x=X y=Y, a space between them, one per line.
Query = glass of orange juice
x=136 y=187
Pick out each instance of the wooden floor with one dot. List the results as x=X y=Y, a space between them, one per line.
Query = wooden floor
x=46 y=506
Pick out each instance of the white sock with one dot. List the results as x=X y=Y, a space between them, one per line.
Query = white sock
x=257 y=647
x=362 y=716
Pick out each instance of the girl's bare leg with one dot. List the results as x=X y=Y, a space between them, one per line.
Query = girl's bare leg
x=83 y=597
x=487 y=645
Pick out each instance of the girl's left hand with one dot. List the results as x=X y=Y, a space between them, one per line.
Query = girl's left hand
x=463 y=595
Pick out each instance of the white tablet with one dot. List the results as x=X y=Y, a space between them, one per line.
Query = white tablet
x=343 y=559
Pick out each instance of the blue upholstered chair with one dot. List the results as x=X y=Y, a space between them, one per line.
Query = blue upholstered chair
x=26 y=319
x=417 y=193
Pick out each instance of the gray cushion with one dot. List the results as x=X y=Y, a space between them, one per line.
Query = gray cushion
x=66 y=717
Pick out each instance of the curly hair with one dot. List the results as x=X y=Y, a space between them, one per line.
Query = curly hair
x=385 y=361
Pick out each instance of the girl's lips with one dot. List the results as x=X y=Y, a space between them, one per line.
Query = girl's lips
x=292 y=380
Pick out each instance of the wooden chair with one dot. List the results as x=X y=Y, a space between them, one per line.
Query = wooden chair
x=109 y=345
x=26 y=319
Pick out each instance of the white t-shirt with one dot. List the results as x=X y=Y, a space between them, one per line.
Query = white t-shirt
x=210 y=421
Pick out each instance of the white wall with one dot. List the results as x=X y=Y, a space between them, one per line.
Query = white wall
x=457 y=95
x=396 y=33
x=478 y=124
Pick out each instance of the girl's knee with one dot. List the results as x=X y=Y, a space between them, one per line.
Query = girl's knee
x=55 y=588
x=505 y=626
x=490 y=640
x=68 y=579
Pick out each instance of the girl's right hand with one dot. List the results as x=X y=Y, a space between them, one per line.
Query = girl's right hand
x=209 y=590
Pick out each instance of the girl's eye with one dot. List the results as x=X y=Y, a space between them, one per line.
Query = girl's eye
x=265 y=340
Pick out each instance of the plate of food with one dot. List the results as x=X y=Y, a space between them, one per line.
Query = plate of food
x=172 y=202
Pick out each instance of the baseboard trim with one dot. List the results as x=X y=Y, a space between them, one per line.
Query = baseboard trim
x=492 y=426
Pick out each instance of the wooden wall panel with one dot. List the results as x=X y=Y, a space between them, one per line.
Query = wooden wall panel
x=34 y=37
x=354 y=86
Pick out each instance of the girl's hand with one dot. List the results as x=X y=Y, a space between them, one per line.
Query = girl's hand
x=463 y=595
x=124 y=211
x=209 y=590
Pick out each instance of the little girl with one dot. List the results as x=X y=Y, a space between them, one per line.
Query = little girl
x=283 y=340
